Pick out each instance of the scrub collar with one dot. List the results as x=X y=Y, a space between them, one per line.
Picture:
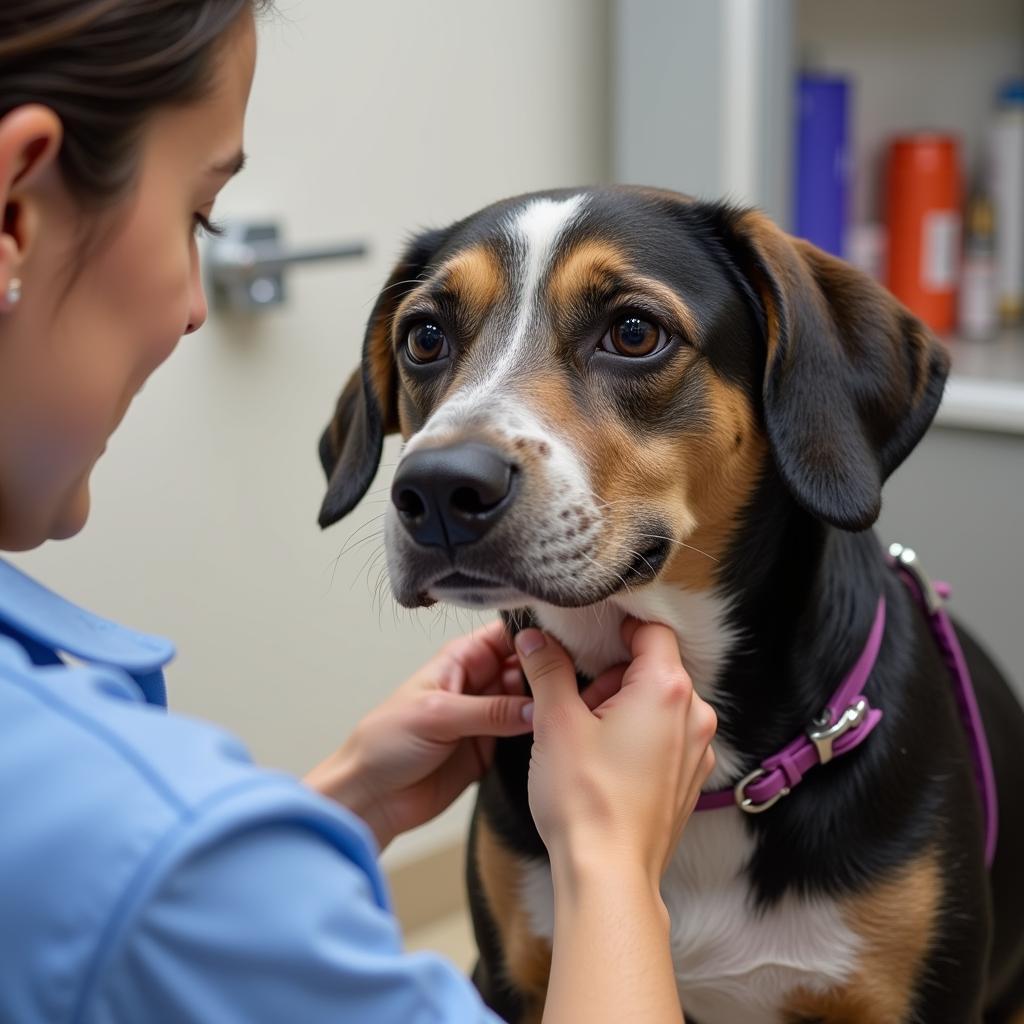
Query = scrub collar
x=47 y=625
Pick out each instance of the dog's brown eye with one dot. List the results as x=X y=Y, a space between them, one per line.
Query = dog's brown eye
x=426 y=343
x=633 y=336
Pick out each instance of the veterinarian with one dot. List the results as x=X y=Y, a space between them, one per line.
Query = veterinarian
x=148 y=871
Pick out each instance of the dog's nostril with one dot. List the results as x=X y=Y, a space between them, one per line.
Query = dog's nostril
x=410 y=504
x=469 y=502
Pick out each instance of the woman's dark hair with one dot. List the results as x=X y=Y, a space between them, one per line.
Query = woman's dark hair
x=103 y=66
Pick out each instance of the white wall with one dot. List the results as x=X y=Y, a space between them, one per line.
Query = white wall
x=367 y=121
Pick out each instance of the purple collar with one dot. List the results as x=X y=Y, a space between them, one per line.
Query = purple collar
x=849 y=719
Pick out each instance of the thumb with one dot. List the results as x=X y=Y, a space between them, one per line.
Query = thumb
x=548 y=669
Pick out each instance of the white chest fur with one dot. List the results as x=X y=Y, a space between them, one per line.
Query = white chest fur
x=734 y=964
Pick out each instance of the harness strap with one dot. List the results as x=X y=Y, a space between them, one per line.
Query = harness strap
x=932 y=597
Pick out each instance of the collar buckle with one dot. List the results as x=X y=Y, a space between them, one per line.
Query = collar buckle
x=746 y=803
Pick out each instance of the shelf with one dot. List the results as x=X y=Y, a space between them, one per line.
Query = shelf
x=985 y=390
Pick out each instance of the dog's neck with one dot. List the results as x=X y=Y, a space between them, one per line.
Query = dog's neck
x=805 y=598
x=767 y=647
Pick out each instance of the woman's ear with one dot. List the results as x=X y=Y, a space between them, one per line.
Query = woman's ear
x=30 y=139
x=367 y=408
x=852 y=379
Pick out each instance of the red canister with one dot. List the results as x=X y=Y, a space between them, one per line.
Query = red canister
x=923 y=199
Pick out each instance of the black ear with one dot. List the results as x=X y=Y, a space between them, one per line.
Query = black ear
x=367 y=408
x=852 y=379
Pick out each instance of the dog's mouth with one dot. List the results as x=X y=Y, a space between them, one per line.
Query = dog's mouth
x=465 y=581
x=489 y=586
x=474 y=590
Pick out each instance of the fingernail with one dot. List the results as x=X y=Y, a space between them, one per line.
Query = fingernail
x=527 y=712
x=529 y=641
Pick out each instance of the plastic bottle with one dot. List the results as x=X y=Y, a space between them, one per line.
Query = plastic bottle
x=979 y=288
x=923 y=203
x=821 y=186
x=1007 y=156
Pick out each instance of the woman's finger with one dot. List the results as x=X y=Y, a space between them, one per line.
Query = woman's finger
x=457 y=716
x=479 y=658
x=549 y=671
x=512 y=679
x=651 y=640
x=604 y=687
x=655 y=652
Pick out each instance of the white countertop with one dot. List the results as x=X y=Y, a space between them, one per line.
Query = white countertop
x=985 y=390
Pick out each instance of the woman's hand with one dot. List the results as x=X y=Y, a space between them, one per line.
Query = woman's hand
x=408 y=759
x=611 y=789
x=619 y=781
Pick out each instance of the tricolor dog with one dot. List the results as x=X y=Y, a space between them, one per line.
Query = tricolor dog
x=620 y=400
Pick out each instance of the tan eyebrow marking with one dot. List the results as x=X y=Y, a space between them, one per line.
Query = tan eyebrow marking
x=592 y=264
x=667 y=297
x=473 y=275
x=588 y=265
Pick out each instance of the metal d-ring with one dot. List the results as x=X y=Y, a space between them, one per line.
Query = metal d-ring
x=907 y=559
x=745 y=803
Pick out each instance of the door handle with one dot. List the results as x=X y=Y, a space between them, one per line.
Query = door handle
x=245 y=265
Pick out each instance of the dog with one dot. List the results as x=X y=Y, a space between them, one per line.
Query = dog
x=627 y=401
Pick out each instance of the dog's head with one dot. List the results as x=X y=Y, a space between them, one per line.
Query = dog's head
x=592 y=383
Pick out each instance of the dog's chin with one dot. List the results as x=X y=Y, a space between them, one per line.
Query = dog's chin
x=481 y=591
x=466 y=590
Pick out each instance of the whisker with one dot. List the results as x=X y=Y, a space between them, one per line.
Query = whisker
x=350 y=546
x=360 y=543
x=638 y=554
x=602 y=569
x=378 y=594
x=355 y=533
x=369 y=565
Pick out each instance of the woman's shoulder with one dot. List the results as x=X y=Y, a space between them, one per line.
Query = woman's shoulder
x=91 y=733
x=43 y=621
x=95 y=717
x=80 y=744
x=104 y=800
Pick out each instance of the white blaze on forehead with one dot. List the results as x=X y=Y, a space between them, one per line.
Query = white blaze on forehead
x=535 y=231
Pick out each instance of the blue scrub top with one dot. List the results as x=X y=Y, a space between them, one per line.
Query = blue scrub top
x=150 y=873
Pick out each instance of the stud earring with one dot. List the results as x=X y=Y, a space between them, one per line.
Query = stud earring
x=13 y=294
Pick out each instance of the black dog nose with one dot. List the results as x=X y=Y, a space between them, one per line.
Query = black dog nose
x=451 y=496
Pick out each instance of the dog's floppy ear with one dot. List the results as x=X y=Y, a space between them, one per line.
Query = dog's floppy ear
x=350 y=447
x=852 y=379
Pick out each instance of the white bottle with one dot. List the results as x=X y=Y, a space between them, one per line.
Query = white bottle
x=979 y=298
x=1008 y=197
